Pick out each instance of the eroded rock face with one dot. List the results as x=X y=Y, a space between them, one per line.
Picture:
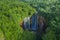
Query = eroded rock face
x=2 y=35
x=37 y=23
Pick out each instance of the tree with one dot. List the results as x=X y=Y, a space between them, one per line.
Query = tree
x=11 y=14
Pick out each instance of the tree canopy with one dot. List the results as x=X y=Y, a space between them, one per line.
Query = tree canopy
x=12 y=12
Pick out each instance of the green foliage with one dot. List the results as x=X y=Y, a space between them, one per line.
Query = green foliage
x=28 y=35
x=11 y=14
x=49 y=36
x=1 y=35
x=50 y=9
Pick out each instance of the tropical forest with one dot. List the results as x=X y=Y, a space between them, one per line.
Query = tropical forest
x=29 y=19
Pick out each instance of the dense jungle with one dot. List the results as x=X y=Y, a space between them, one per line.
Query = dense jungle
x=13 y=12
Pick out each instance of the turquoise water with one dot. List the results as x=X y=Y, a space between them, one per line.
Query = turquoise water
x=32 y=26
x=34 y=22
